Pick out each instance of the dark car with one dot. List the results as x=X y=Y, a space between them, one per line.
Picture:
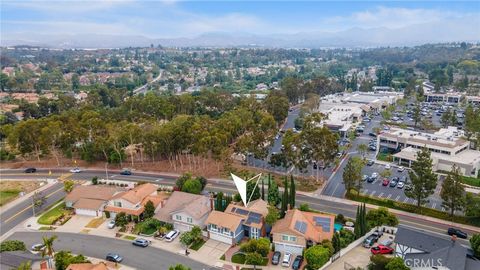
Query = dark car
x=141 y=242
x=297 y=262
x=372 y=134
x=276 y=257
x=126 y=172
x=30 y=170
x=393 y=183
x=457 y=232
x=370 y=179
x=113 y=257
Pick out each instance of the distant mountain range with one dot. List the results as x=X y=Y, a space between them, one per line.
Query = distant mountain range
x=435 y=32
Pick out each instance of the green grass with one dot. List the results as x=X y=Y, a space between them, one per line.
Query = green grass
x=472 y=181
x=238 y=258
x=52 y=215
x=8 y=195
x=223 y=257
x=129 y=237
x=385 y=157
x=149 y=230
x=197 y=245
x=414 y=209
x=46 y=228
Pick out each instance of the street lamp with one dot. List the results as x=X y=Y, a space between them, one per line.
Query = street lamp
x=106 y=170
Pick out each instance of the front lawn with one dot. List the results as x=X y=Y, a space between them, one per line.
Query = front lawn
x=129 y=237
x=8 y=195
x=148 y=230
x=238 y=258
x=95 y=223
x=197 y=245
x=54 y=214
x=385 y=157
x=472 y=181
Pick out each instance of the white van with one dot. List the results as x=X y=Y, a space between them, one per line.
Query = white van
x=171 y=235
x=286 y=259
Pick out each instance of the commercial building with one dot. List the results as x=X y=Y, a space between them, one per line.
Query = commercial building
x=452 y=97
x=447 y=148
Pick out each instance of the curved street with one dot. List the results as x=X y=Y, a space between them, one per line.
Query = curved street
x=98 y=247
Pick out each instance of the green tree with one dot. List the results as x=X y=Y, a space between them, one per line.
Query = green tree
x=94 y=180
x=336 y=242
x=292 y=192
x=352 y=177
x=253 y=258
x=272 y=215
x=64 y=258
x=396 y=264
x=68 y=185
x=263 y=189
x=182 y=179
x=475 y=244
x=381 y=216
x=284 y=198
x=219 y=202
x=362 y=149
x=316 y=256
x=273 y=193
x=3 y=81
x=192 y=186
x=149 y=209
x=378 y=262
x=25 y=266
x=179 y=267
x=12 y=245
x=277 y=105
x=422 y=178
x=253 y=191
x=260 y=246
x=472 y=208
x=416 y=114
x=121 y=219
x=453 y=192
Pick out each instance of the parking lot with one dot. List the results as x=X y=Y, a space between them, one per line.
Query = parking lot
x=377 y=189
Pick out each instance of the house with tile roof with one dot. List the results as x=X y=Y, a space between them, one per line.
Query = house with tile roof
x=91 y=266
x=238 y=222
x=90 y=200
x=132 y=202
x=185 y=210
x=299 y=229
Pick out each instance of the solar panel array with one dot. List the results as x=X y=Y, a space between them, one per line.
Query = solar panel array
x=252 y=217
x=301 y=226
x=323 y=222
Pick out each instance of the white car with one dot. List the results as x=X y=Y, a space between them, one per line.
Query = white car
x=287 y=257
x=172 y=235
x=401 y=169
x=75 y=170
x=37 y=248
x=374 y=175
x=111 y=224
x=387 y=166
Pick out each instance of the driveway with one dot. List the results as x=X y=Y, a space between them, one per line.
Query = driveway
x=357 y=257
x=213 y=249
x=75 y=225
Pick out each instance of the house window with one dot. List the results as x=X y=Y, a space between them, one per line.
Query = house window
x=293 y=239
x=117 y=204
x=189 y=220
x=213 y=227
x=284 y=237
x=178 y=217
x=254 y=233
x=226 y=231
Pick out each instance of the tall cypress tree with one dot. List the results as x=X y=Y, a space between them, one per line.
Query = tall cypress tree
x=285 y=184
x=363 y=220
x=263 y=190
x=284 y=198
x=292 y=192
x=356 y=229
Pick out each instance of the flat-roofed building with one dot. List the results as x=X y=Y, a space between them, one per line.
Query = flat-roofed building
x=447 y=148
x=452 y=98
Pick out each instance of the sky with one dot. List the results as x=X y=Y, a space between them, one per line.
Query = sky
x=171 y=19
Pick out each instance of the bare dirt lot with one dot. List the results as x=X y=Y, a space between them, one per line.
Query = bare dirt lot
x=9 y=190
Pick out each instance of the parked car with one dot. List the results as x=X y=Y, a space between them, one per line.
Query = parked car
x=276 y=257
x=385 y=182
x=381 y=249
x=297 y=262
x=387 y=167
x=171 y=235
x=374 y=175
x=37 y=248
x=113 y=257
x=364 y=177
x=370 y=162
x=370 y=179
x=457 y=232
x=400 y=185
x=369 y=241
x=408 y=187
x=372 y=134
x=111 y=224
x=141 y=242
x=400 y=169
x=30 y=170
x=126 y=172
x=75 y=170
x=393 y=182
x=287 y=257
x=386 y=242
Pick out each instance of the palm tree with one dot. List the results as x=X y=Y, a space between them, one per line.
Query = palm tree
x=25 y=266
x=48 y=250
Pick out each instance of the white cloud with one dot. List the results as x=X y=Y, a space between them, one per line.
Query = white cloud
x=66 y=6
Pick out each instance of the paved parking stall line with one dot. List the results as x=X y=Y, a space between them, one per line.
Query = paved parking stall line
x=406 y=200
x=373 y=192
x=389 y=195
x=398 y=197
x=381 y=194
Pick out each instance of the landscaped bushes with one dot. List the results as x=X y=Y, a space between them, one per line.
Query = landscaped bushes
x=12 y=245
x=316 y=257
x=346 y=237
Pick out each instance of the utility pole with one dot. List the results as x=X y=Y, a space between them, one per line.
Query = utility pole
x=106 y=170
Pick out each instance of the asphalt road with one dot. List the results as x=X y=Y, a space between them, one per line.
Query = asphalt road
x=21 y=212
x=98 y=247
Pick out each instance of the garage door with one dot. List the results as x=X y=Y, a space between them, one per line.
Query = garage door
x=288 y=248
x=182 y=227
x=221 y=238
x=86 y=212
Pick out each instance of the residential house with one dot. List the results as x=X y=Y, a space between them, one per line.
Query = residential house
x=91 y=266
x=90 y=200
x=185 y=210
x=132 y=202
x=423 y=250
x=298 y=230
x=238 y=222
